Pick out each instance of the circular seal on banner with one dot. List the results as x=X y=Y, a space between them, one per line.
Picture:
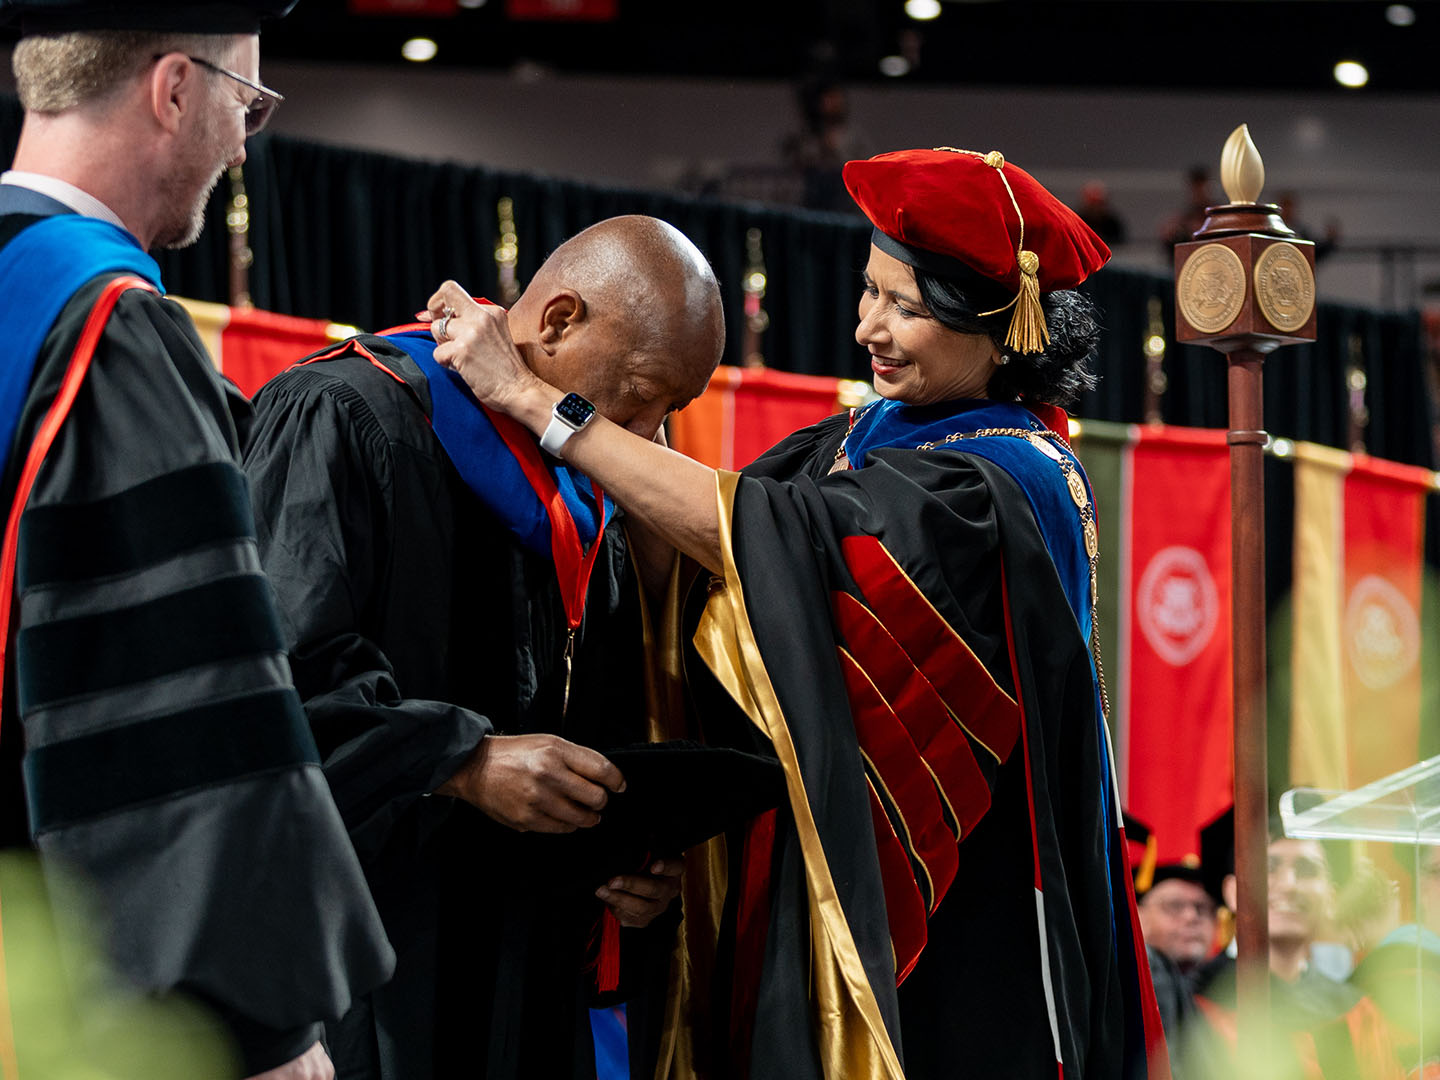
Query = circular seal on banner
x=1177 y=604
x=1382 y=632
x=1284 y=286
x=1211 y=290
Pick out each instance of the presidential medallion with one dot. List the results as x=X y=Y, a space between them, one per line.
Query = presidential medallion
x=1284 y=286
x=1212 y=288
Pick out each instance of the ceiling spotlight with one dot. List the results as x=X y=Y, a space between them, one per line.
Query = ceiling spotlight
x=418 y=49
x=472 y=3
x=921 y=10
x=1351 y=73
x=1400 y=15
x=894 y=66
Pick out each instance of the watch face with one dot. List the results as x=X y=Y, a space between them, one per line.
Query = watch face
x=574 y=410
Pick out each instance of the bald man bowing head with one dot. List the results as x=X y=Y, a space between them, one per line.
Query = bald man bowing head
x=463 y=622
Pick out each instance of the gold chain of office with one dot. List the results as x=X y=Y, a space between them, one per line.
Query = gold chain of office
x=1079 y=494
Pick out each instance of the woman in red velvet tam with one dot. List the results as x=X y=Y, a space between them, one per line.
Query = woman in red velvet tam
x=902 y=606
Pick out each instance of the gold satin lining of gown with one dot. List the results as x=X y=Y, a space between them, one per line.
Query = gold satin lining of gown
x=848 y=1027
x=692 y=960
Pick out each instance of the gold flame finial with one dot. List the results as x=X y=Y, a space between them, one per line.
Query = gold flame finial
x=1242 y=173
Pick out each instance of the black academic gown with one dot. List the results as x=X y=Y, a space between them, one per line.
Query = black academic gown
x=1175 y=997
x=166 y=757
x=416 y=626
x=786 y=635
x=1174 y=992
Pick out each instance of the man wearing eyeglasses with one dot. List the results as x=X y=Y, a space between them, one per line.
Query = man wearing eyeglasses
x=166 y=758
x=1302 y=901
x=1178 y=917
x=1301 y=904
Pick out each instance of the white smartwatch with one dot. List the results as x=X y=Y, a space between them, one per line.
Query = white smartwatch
x=570 y=414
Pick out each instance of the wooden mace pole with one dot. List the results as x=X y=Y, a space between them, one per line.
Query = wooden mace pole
x=1247 y=565
x=1245 y=286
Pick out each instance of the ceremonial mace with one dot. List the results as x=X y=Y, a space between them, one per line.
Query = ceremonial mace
x=1245 y=285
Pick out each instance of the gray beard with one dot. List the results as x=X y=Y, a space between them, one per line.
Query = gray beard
x=183 y=234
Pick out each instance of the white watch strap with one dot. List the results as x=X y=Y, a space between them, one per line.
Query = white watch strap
x=556 y=432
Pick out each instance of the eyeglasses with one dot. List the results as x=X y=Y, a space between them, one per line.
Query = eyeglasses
x=259 y=111
x=1176 y=907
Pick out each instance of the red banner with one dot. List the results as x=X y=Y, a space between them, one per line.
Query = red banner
x=1176 y=749
x=258 y=345
x=250 y=346
x=560 y=10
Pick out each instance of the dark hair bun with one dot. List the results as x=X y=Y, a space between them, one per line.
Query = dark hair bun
x=1057 y=376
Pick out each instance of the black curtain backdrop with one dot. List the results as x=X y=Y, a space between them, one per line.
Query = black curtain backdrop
x=364 y=238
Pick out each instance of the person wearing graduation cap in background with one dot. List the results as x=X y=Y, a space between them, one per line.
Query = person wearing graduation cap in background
x=1302 y=898
x=1301 y=905
x=1179 y=920
x=166 y=760
x=464 y=621
x=902 y=602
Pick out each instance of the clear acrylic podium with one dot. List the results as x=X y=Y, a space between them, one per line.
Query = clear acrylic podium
x=1402 y=808
x=1394 y=823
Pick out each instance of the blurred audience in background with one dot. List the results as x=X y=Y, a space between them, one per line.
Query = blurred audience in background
x=1382 y=1022
x=1096 y=211
x=822 y=145
x=1182 y=224
x=1179 y=918
x=1367 y=908
x=1302 y=906
x=1392 y=1031
x=1326 y=239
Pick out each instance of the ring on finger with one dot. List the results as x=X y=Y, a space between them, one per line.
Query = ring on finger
x=442 y=328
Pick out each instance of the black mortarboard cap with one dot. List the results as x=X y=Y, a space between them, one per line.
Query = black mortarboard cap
x=677 y=794
x=1217 y=847
x=64 y=16
x=1217 y=851
x=1187 y=869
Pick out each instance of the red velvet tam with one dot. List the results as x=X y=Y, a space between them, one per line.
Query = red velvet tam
x=943 y=210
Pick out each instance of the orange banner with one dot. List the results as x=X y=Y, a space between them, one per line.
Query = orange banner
x=1380 y=620
x=1355 y=705
x=745 y=411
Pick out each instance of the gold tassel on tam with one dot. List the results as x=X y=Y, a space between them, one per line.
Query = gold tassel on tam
x=1028 y=332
